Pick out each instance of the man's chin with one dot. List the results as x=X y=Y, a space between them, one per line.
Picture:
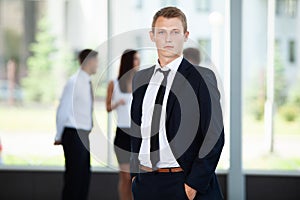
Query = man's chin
x=170 y=54
x=93 y=72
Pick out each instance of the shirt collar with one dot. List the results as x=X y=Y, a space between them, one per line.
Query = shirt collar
x=84 y=75
x=173 y=66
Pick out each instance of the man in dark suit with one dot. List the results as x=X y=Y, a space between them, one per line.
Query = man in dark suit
x=177 y=128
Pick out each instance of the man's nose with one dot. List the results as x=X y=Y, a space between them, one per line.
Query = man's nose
x=168 y=37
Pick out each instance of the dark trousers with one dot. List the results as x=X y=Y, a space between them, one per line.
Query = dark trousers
x=77 y=164
x=159 y=186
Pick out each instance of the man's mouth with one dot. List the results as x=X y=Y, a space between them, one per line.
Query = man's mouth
x=168 y=47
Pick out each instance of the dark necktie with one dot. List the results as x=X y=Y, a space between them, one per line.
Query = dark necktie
x=92 y=99
x=154 y=141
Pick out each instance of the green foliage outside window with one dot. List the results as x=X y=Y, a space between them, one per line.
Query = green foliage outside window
x=47 y=66
x=39 y=85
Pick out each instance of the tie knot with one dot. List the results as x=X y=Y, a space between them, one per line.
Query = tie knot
x=165 y=73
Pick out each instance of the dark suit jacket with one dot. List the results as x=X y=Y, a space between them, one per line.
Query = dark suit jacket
x=194 y=125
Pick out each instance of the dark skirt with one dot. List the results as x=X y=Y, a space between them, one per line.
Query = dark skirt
x=122 y=145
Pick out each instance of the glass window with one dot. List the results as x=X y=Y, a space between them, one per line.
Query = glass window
x=276 y=149
x=139 y=4
x=205 y=45
x=292 y=51
x=199 y=38
x=39 y=41
x=286 y=8
x=202 y=5
x=169 y=2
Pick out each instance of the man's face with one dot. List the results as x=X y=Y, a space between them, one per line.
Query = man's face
x=169 y=36
x=93 y=65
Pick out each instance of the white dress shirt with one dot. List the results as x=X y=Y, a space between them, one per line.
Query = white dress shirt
x=167 y=159
x=75 y=107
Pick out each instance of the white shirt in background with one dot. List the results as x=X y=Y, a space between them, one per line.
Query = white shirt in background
x=75 y=107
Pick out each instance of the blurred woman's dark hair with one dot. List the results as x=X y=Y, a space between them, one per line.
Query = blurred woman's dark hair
x=126 y=70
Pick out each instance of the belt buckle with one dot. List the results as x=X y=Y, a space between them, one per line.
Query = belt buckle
x=155 y=170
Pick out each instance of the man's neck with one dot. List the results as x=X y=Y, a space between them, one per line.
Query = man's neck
x=163 y=61
x=85 y=70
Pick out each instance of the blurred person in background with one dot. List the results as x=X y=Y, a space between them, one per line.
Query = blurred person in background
x=74 y=122
x=119 y=97
x=193 y=55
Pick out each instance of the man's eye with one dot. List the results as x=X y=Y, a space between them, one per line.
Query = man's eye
x=160 y=32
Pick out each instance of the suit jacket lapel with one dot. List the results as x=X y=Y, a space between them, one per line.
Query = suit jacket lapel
x=142 y=85
x=178 y=82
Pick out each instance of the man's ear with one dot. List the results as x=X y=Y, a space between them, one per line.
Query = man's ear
x=152 y=37
x=186 y=36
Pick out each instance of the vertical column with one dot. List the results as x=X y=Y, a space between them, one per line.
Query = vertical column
x=298 y=35
x=109 y=75
x=29 y=31
x=57 y=24
x=236 y=184
x=269 y=105
x=1 y=39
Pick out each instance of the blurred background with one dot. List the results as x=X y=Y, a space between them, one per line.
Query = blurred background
x=39 y=41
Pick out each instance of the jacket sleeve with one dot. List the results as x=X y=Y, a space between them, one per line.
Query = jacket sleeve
x=212 y=130
x=134 y=129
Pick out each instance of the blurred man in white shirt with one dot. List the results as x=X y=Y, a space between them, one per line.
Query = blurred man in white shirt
x=74 y=122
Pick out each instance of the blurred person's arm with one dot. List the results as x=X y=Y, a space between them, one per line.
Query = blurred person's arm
x=109 y=105
x=63 y=112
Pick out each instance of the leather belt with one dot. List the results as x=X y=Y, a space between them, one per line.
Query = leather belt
x=161 y=170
